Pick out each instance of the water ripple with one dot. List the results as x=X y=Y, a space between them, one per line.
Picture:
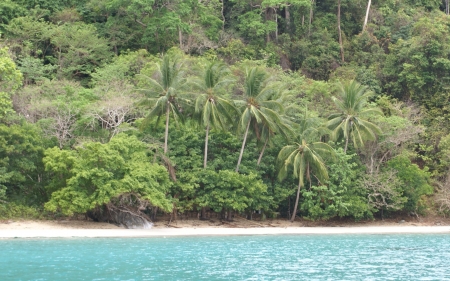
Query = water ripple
x=302 y=257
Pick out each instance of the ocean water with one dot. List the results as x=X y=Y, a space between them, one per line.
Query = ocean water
x=271 y=257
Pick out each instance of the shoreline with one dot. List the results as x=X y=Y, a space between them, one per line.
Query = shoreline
x=193 y=232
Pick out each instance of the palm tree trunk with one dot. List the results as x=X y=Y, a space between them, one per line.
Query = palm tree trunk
x=262 y=151
x=243 y=145
x=346 y=137
x=367 y=14
x=166 y=134
x=206 y=147
x=294 y=212
x=346 y=145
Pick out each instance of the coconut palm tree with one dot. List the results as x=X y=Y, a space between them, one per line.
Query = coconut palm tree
x=213 y=110
x=165 y=91
x=259 y=105
x=284 y=128
x=351 y=120
x=305 y=157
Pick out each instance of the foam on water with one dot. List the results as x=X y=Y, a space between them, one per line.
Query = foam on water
x=301 y=257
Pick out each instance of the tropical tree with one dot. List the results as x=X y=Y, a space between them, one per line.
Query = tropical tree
x=164 y=95
x=259 y=105
x=351 y=120
x=211 y=108
x=266 y=134
x=10 y=80
x=305 y=156
x=286 y=125
x=109 y=182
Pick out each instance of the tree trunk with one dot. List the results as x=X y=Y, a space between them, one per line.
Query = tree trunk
x=339 y=30
x=276 y=24
x=289 y=207
x=447 y=7
x=230 y=215
x=166 y=134
x=154 y=211
x=347 y=137
x=206 y=147
x=367 y=14
x=157 y=41
x=294 y=212
x=223 y=17
x=174 y=212
x=287 y=17
x=243 y=145
x=180 y=38
x=262 y=151
x=310 y=17
x=268 y=15
x=203 y=214
x=346 y=144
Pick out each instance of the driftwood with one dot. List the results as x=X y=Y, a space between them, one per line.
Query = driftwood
x=174 y=226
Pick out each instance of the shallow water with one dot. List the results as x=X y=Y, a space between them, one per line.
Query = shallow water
x=301 y=257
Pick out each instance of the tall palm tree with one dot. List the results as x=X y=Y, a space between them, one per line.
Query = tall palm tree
x=305 y=157
x=212 y=109
x=284 y=128
x=259 y=105
x=351 y=120
x=164 y=95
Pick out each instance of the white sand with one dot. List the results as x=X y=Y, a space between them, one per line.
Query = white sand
x=172 y=232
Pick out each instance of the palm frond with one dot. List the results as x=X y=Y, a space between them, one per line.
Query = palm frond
x=254 y=82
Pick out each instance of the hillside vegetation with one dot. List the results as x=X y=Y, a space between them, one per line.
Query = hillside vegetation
x=122 y=110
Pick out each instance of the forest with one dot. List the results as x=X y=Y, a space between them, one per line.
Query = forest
x=126 y=110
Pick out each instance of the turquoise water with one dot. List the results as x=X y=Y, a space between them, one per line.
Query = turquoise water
x=302 y=257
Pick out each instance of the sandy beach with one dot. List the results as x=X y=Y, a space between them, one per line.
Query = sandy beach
x=170 y=232
x=79 y=228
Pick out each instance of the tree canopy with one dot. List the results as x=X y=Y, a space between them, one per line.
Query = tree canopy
x=92 y=94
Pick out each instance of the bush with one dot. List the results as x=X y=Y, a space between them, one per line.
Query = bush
x=16 y=211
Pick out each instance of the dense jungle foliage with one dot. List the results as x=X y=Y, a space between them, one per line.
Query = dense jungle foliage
x=311 y=108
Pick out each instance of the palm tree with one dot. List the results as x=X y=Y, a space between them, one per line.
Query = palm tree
x=306 y=158
x=286 y=125
x=350 y=121
x=284 y=128
x=166 y=88
x=259 y=105
x=212 y=109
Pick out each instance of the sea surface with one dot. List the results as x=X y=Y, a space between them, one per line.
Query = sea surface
x=270 y=257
